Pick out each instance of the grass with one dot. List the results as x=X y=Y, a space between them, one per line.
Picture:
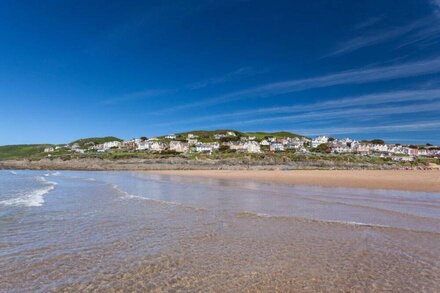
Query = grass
x=279 y=134
x=84 y=142
x=16 y=152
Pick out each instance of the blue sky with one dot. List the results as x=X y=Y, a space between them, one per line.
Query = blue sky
x=363 y=69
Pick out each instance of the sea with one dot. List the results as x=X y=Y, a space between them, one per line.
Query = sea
x=82 y=231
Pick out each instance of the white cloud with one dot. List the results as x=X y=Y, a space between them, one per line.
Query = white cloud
x=436 y=6
x=356 y=113
x=409 y=127
x=379 y=37
x=352 y=101
x=356 y=76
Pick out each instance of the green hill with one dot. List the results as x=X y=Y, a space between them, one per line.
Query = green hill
x=208 y=133
x=85 y=142
x=261 y=135
x=13 y=152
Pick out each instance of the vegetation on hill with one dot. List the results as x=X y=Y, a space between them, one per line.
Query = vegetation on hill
x=86 y=142
x=208 y=133
x=279 y=134
x=15 y=152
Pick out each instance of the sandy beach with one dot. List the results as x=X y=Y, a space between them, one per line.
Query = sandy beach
x=408 y=180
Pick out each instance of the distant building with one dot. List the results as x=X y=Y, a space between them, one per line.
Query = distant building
x=319 y=140
x=264 y=143
x=252 y=147
x=191 y=136
x=111 y=144
x=171 y=136
x=157 y=146
x=206 y=147
x=179 y=147
x=277 y=147
x=49 y=149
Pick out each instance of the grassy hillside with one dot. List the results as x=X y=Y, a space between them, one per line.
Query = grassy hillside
x=11 y=152
x=208 y=133
x=85 y=142
x=261 y=135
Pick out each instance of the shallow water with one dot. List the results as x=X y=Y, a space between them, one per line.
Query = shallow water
x=113 y=231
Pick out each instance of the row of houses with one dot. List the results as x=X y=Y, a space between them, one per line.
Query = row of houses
x=348 y=145
x=251 y=144
x=192 y=143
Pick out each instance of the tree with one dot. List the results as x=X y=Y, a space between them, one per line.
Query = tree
x=323 y=148
x=223 y=148
x=377 y=141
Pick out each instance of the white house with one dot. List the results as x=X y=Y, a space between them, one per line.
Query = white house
x=111 y=144
x=382 y=148
x=252 y=147
x=319 y=140
x=156 y=146
x=362 y=148
x=171 y=136
x=206 y=147
x=264 y=143
x=277 y=147
x=49 y=149
x=142 y=145
x=341 y=149
x=192 y=141
x=179 y=147
x=219 y=135
x=230 y=133
x=191 y=136
x=238 y=146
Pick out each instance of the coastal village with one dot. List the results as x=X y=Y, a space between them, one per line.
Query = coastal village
x=209 y=142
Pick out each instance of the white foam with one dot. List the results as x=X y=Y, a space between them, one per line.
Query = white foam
x=127 y=195
x=13 y=172
x=350 y=223
x=34 y=198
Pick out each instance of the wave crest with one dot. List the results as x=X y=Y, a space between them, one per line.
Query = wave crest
x=33 y=198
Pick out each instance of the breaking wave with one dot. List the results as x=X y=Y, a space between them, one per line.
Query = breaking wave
x=33 y=198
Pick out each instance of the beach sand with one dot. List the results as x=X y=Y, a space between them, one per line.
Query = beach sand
x=407 y=180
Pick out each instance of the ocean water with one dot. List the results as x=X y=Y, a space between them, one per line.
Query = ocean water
x=77 y=231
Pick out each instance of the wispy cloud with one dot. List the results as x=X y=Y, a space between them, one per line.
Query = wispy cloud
x=357 y=76
x=409 y=127
x=352 y=101
x=357 y=113
x=229 y=77
x=368 y=23
x=419 y=27
x=141 y=95
x=436 y=6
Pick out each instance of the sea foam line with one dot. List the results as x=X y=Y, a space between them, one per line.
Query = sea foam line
x=342 y=222
x=34 y=198
x=127 y=195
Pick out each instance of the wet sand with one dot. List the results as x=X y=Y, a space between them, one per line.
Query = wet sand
x=407 y=180
x=144 y=232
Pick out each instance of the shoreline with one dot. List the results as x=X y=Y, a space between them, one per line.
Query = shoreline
x=350 y=176
x=95 y=164
x=403 y=180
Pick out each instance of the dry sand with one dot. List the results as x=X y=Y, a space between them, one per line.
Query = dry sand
x=409 y=180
